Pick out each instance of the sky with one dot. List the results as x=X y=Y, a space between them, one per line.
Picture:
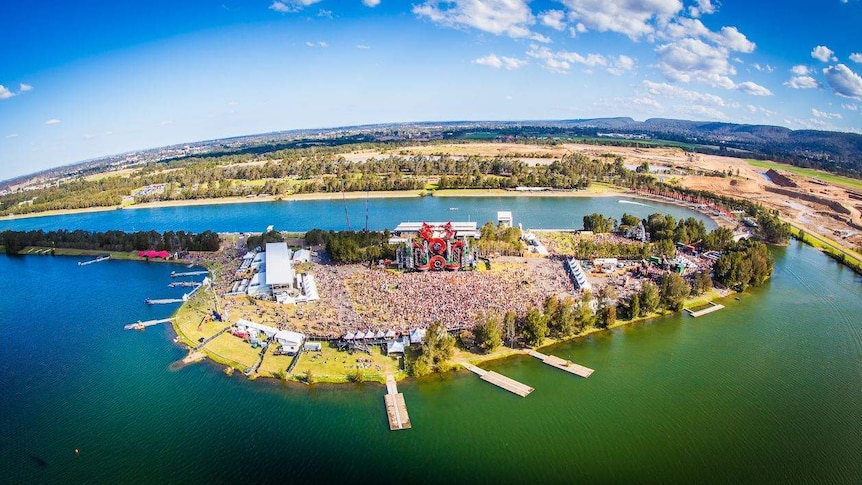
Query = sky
x=84 y=79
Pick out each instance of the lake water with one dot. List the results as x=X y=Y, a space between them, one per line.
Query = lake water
x=533 y=212
x=767 y=390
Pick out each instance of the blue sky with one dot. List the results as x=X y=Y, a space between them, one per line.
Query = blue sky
x=85 y=79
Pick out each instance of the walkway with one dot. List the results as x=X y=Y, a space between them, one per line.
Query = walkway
x=713 y=308
x=396 y=408
x=561 y=364
x=500 y=380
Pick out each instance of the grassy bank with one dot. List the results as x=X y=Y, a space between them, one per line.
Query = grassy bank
x=116 y=255
x=505 y=352
x=847 y=182
x=845 y=256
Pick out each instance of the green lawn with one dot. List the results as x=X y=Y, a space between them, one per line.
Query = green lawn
x=811 y=173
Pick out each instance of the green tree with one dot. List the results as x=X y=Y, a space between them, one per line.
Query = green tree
x=535 y=327
x=635 y=305
x=607 y=316
x=649 y=297
x=674 y=291
x=487 y=332
x=702 y=283
x=510 y=321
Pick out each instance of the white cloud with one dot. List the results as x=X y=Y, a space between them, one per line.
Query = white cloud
x=500 y=17
x=634 y=18
x=823 y=54
x=5 y=93
x=553 y=19
x=621 y=64
x=823 y=114
x=753 y=89
x=705 y=111
x=561 y=61
x=676 y=92
x=648 y=102
x=703 y=7
x=233 y=103
x=802 y=82
x=502 y=62
x=362 y=46
x=844 y=81
x=763 y=68
x=371 y=3
x=856 y=57
x=324 y=13
x=12 y=135
x=167 y=122
x=320 y=44
x=759 y=109
x=53 y=121
x=692 y=59
x=23 y=88
x=800 y=70
x=850 y=107
x=287 y=6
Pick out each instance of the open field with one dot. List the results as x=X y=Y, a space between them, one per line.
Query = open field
x=831 y=178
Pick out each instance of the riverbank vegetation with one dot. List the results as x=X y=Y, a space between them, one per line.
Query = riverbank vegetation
x=120 y=241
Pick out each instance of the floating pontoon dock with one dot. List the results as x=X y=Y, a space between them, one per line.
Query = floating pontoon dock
x=714 y=307
x=143 y=325
x=561 y=364
x=97 y=260
x=396 y=409
x=164 y=301
x=500 y=380
x=174 y=274
x=184 y=284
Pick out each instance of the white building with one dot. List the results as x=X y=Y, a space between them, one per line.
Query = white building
x=290 y=341
x=279 y=266
x=505 y=218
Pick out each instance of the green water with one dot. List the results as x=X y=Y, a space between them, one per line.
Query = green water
x=767 y=390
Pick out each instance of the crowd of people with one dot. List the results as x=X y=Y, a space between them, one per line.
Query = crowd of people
x=408 y=300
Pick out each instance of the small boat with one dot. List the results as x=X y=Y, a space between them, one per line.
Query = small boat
x=453 y=208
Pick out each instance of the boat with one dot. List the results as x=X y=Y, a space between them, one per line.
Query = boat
x=453 y=208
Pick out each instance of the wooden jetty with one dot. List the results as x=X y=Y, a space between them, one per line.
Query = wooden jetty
x=97 y=260
x=396 y=409
x=174 y=274
x=142 y=325
x=183 y=284
x=500 y=380
x=714 y=307
x=561 y=364
x=164 y=301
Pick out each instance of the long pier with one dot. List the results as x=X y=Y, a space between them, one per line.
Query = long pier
x=97 y=260
x=500 y=380
x=184 y=284
x=714 y=307
x=561 y=364
x=164 y=301
x=143 y=325
x=174 y=274
x=396 y=409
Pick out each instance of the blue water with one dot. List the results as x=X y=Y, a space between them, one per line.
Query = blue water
x=532 y=212
x=767 y=390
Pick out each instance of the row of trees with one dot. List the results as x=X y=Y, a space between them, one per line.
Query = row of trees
x=15 y=241
x=353 y=246
x=500 y=239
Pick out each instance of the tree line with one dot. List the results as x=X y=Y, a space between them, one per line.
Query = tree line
x=15 y=241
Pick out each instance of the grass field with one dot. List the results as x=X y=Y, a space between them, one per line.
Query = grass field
x=810 y=173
